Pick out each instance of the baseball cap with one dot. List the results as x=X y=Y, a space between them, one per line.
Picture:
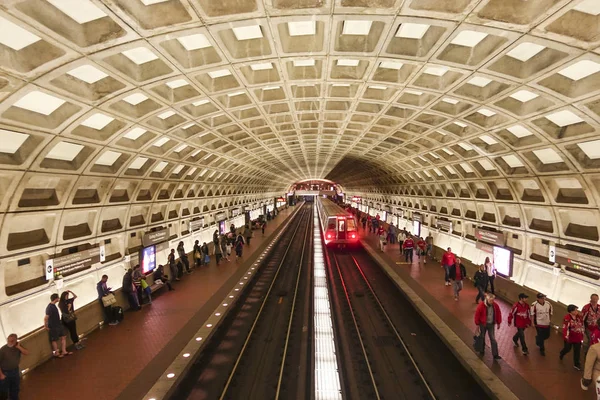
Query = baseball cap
x=540 y=295
x=523 y=296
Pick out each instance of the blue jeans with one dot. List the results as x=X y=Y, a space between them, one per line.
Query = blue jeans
x=447 y=273
x=11 y=384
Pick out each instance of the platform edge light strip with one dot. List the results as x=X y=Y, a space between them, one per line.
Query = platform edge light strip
x=327 y=378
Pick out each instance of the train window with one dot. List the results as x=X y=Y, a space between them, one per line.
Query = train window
x=351 y=225
x=331 y=224
x=341 y=225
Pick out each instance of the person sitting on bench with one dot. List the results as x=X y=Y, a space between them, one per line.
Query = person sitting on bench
x=159 y=274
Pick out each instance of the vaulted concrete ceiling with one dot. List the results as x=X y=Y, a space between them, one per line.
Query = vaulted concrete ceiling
x=479 y=99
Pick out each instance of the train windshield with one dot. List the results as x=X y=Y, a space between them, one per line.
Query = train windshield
x=351 y=226
x=331 y=224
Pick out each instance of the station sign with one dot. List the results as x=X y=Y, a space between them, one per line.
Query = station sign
x=417 y=217
x=197 y=224
x=72 y=263
x=151 y=238
x=447 y=225
x=235 y=212
x=496 y=238
x=221 y=216
x=574 y=261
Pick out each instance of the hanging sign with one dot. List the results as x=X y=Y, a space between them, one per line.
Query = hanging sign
x=49 y=269
x=447 y=225
x=496 y=238
x=196 y=224
x=151 y=238
x=221 y=216
x=71 y=263
x=552 y=254
x=102 y=253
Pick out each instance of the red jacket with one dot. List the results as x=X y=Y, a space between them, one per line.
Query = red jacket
x=448 y=258
x=408 y=244
x=481 y=314
x=521 y=313
x=422 y=245
x=590 y=316
x=573 y=328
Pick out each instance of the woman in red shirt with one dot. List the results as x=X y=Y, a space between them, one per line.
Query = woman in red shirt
x=573 y=335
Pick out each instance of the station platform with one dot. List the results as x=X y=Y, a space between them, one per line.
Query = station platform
x=124 y=361
x=530 y=376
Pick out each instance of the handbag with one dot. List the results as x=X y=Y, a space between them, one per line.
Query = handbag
x=206 y=259
x=109 y=300
x=69 y=317
x=197 y=255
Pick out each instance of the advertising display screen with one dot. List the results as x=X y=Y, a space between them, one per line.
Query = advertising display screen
x=416 y=228
x=503 y=261
x=222 y=227
x=148 y=259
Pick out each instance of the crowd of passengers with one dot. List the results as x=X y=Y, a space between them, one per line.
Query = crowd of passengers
x=135 y=287
x=580 y=329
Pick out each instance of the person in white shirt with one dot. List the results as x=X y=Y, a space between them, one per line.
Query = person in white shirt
x=491 y=271
x=541 y=311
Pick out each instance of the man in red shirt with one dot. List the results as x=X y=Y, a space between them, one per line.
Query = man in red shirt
x=488 y=317
x=573 y=335
x=457 y=273
x=448 y=260
x=590 y=314
x=521 y=314
x=408 y=247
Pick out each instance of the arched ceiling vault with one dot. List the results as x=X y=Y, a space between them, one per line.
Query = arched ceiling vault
x=480 y=100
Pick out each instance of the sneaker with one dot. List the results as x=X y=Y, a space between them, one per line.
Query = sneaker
x=583 y=387
x=525 y=352
x=577 y=367
x=455 y=298
x=113 y=323
x=516 y=343
x=497 y=358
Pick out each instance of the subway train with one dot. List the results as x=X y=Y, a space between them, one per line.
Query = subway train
x=338 y=225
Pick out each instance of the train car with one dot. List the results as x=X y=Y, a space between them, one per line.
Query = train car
x=338 y=225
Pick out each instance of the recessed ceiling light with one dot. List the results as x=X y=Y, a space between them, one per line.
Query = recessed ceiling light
x=97 y=121
x=525 y=51
x=194 y=42
x=461 y=124
x=235 y=94
x=437 y=172
x=450 y=170
x=524 y=96
x=191 y=171
x=466 y=147
x=135 y=133
x=151 y=2
x=302 y=28
x=177 y=169
x=468 y=38
x=347 y=62
x=15 y=37
x=248 y=32
x=588 y=7
x=519 y=131
x=39 y=102
x=434 y=155
x=486 y=164
x=479 y=81
x=261 y=66
x=357 y=27
x=200 y=102
x=581 y=69
x=140 y=55
x=412 y=31
x=391 y=65
x=177 y=83
x=548 y=156
x=161 y=141
x=81 y=11
x=564 y=118
x=135 y=99
x=108 y=158
x=488 y=139
x=166 y=114
x=414 y=92
x=449 y=100
x=187 y=126
x=10 y=141
x=271 y=88
x=591 y=149
x=341 y=85
x=378 y=87
x=304 y=63
x=447 y=151
x=87 y=73
x=180 y=148
x=466 y=167
x=158 y=169
x=437 y=71
x=64 y=151
x=512 y=161
x=486 y=112
x=219 y=73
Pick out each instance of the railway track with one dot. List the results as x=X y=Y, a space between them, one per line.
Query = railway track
x=387 y=350
x=261 y=351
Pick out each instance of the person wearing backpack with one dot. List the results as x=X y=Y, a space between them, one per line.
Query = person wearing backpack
x=541 y=312
x=521 y=314
x=480 y=281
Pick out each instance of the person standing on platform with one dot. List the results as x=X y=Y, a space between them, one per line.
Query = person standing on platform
x=382 y=239
x=391 y=234
x=408 y=247
x=198 y=260
x=401 y=239
x=429 y=241
x=218 y=251
x=10 y=375
x=591 y=367
x=457 y=273
x=103 y=290
x=55 y=328
x=248 y=234
x=68 y=317
x=172 y=266
x=239 y=246
x=491 y=271
x=521 y=314
x=128 y=288
x=448 y=260
x=590 y=314
x=541 y=313
x=573 y=331
x=205 y=256
x=183 y=257
x=223 y=243
x=488 y=317
x=137 y=277
x=263 y=226
x=480 y=279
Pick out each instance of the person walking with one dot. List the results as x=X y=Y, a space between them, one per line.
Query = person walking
x=590 y=314
x=591 y=367
x=408 y=246
x=429 y=242
x=401 y=239
x=422 y=250
x=491 y=271
x=457 y=273
x=541 y=313
x=239 y=246
x=10 y=374
x=55 y=328
x=248 y=234
x=488 y=317
x=218 y=251
x=174 y=274
x=382 y=239
x=103 y=290
x=480 y=279
x=263 y=226
x=521 y=314
x=448 y=260
x=223 y=243
x=68 y=317
x=573 y=332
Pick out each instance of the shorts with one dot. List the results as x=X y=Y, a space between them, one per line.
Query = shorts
x=56 y=332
